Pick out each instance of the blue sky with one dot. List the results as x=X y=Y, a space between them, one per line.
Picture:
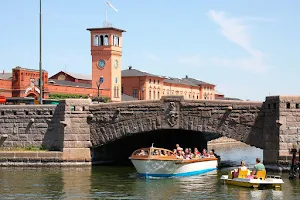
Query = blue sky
x=248 y=48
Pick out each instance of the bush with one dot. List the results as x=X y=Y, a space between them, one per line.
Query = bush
x=67 y=96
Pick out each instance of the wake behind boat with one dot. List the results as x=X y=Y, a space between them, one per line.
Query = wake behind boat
x=149 y=163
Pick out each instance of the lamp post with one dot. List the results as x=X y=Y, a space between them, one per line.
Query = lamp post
x=40 y=62
x=101 y=79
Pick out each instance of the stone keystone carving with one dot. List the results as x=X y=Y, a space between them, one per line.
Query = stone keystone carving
x=172 y=116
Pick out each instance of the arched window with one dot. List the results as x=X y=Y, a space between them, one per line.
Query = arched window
x=116 y=40
x=158 y=96
x=118 y=91
x=149 y=94
x=96 y=40
x=101 y=40
x=154 y=96
x=115 y=91
x=106 y=40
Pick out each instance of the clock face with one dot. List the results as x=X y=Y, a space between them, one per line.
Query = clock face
x=116 y=63
x=101 y=64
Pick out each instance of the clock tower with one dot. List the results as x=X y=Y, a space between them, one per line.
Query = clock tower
x=106 y=51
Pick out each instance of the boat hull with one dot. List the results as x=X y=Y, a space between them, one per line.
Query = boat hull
x=246 y=182
x=172 y=168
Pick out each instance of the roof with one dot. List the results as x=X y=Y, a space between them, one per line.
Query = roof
x=134 y=72
x=76 y=75
x=6 y=76
x=178 y=81
x=105 y=28
x=218 y=93
x=69 y=83
x=126 y=97
x=80 y=76
x=196 y=81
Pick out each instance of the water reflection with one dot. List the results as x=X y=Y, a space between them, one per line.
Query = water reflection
x=107 y=182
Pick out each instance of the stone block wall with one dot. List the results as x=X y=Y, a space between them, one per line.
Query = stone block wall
x=36 y=125
x=289 y=131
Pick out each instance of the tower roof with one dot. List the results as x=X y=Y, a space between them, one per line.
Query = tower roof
x=105 y=28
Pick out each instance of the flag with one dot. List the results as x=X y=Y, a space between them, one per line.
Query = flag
x=111 y=6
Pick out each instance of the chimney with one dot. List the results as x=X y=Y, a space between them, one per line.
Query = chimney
x=186 y=76
x=130 y=67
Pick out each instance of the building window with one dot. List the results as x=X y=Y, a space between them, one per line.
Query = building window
x=142 y=97
x=116 y=40
x=157 y=81
x=106 y=40
x=149 y=94
x=288 y=105
x=197 y=97
x=297 y=105
x=135 y=93
x=115 y=91
x=158 y=96
x=96 y=40
x=154 y=94
x=118 y=91
x=122 y=89
x=154 y=81
x=149 y=80
x=116 y=80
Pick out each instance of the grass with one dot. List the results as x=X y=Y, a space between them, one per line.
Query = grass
x=27 y=148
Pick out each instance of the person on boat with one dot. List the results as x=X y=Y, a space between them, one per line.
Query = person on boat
x=216 y=155
x=178 y=148
x=187 y=154
x=242 y=167
x=257 y=167
x=197 y=154
x=211 y=154
x=142 y=153
x=204 y=153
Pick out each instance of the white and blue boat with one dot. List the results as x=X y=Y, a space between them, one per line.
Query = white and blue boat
x=149 y=162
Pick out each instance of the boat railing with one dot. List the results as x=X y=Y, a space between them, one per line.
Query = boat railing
x=274 y=176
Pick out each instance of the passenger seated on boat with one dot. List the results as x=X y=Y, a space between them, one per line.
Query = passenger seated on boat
x=181 y=155
x=187 y=154
x=258 y=167
x=211 y=154
x=197 y=154
x=143 y=153
x=166 y=153
x=178 y=148
x=204 y=153
x=239 y=169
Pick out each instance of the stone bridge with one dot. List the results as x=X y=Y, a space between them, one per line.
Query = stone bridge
x=75 y=126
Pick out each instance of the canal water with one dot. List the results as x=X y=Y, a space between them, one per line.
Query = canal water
x=119 y=182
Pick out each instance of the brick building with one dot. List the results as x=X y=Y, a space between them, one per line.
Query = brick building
x=107 y=77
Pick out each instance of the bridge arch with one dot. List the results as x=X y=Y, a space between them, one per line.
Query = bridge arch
x=239 y=120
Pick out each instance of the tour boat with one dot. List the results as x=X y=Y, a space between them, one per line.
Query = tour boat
x=148 y=164
x=261 y=179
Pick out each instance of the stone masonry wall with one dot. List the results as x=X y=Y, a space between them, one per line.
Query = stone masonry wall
x=37 y=125
x=240 y=120
x=289 y=120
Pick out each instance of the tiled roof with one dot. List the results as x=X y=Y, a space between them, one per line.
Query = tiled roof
x=6 y=76
x=69 y=83
x=133 y=72
x=126 y=97
x=76 y=75
x=80 y=76
x=178 y=81
x=195 y=81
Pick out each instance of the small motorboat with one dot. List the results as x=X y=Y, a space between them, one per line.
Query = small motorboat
x=245 y=180
x=149 y=163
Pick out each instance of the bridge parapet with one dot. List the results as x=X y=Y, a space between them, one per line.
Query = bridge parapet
x=240 y=120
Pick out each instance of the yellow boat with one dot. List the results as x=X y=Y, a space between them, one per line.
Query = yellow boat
x=244 y=180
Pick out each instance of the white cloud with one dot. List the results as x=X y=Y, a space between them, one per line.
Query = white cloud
x=236 y=30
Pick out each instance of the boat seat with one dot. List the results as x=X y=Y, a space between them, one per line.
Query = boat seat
x=261 y=174
x=243 y=174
